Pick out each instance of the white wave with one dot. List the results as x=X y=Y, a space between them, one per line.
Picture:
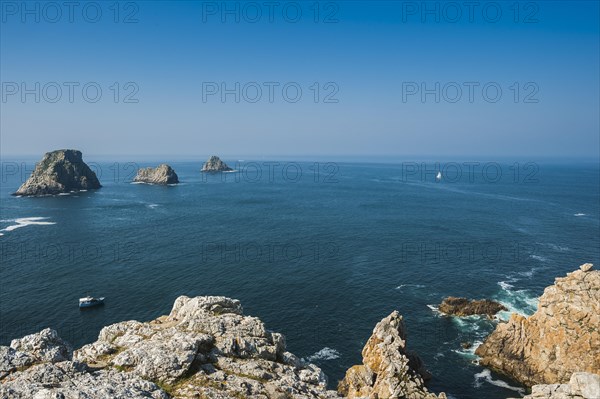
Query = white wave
x=579 y=214
x=528 y=273
x=24 y=222
x=435 y=309
x=469 y=353
x=324 y=354
x=538 y=257
x=152 y=206
x=486 y=375
x=516 y=301
x=409 y=285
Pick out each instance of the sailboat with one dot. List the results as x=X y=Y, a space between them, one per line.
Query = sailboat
x=439 y=176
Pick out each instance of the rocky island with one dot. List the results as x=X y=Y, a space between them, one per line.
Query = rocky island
x=454 y=306
x=561 y=338
x=60 y=171
x=214 y=165
x=162 y=174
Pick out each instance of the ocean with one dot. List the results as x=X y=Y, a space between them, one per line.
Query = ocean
x=319 y=251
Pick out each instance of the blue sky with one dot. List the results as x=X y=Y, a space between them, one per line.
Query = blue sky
x=369 y=56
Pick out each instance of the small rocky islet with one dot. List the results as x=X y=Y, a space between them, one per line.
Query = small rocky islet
x=64 y=171
x=455 y=306
x=215 y=165
x=207 y=348
x=162 y=174
x=60 y=171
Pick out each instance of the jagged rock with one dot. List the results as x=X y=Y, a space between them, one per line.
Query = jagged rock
x=66 y=380
x=60 y=171
x=463 y=307
x=580 y=386
x=206 y=347
x=388 y=369
x=561 y=338
x=162 y=174
x=45 y=346
x=214 y=164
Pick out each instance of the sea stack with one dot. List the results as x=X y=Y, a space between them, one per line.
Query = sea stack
x=214 y=164
x=60 y=171
x=561 y=338
x=162 y=174
x=389 y=370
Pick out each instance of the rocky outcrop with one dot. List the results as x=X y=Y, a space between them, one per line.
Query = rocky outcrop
x=205 y=348
x=388 y=369
x=580 y=386
x=60 y=171
x=214 y=164
x=463 y=307
x=162 y=174
x=561 y=338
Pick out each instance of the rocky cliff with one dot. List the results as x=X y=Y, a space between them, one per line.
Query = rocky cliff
x=214 y=164
x=162 y=174
x=388 y=369
x=205 y=348
x=561 y=338
x=60 y=171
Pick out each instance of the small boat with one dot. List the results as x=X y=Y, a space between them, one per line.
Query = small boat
x=89 y=302
x=439 y=176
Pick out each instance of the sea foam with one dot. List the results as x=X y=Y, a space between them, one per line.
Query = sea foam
x=486 y=375
x=324 y=354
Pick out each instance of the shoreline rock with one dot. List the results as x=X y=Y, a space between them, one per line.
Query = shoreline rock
x=561 y=338
x=60 y=171
x=454 y=306
x=162 y=174
x=214 y=165
x=206 y=347
x=389 y=370
x=580 y=386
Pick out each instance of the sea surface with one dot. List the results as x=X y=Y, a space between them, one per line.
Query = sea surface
x=319 y=251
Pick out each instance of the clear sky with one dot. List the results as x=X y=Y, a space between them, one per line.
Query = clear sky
x=376 y=78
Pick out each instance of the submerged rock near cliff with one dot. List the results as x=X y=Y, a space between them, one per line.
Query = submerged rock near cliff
x=463 y=307
x=214 y=164
x=561 y=338
x=162 y=174
x=205 y=348
x=388 y=369
x=60 y=171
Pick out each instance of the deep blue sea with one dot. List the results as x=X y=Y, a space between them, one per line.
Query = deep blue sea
x=320 y=252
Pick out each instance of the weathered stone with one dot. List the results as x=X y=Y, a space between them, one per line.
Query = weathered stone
x=463 y=307
x=388 y=369
x=214 y=164
x=60 y=171
x=561 y=338
x=580 y=386
x=162 y=174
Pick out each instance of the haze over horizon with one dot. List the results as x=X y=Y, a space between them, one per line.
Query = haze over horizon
x=381 y=79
